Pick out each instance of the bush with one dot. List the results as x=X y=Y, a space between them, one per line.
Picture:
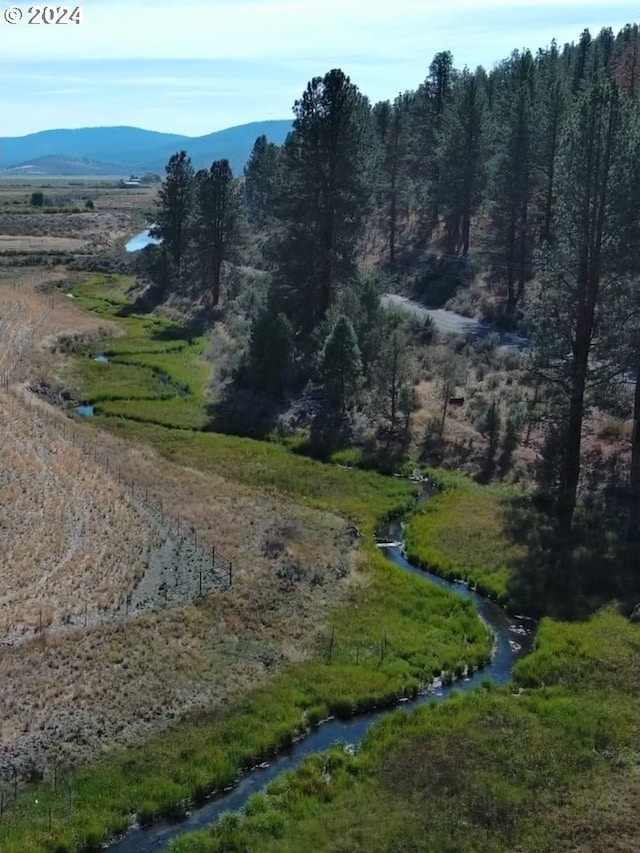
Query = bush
x=37 y=199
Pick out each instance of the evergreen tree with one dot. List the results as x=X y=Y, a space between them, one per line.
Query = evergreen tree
x=460 y=157
x=509 y=441
x=173 y=213
x=490 y=428
x=582 y=63
x=261 y=180
x=513 y=183
x=395 y=382
x=582 y=273
x=341 y=365
x=270 y=352
x=325 y=198
x=391 y=123
x=428 y=107
x=552 y=96
x=625 y=65
x=218 y=223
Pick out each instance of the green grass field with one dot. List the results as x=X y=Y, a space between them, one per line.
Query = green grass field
x=155 y=373
x=551 y=769
x=462 y=533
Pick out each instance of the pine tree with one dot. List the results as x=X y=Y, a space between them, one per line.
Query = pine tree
x=391 y=123
x=217 y=224
x=552 y=96
x=325 y=198
x=341 y=365
x=461 y=158
x=270 y=352
x=582 y=274
x=625 y=65
x=513 y=182
x=395 y=381
x=490 y=428
x=173 y=213
x=428 y=107
x=261 y=180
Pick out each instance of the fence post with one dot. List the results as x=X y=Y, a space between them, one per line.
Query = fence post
x=333 y=634
x=230 y=574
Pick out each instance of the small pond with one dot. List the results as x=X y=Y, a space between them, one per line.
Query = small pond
x=141 y=241
x=85 y=411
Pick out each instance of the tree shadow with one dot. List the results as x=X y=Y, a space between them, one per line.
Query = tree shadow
x=243 y=412
x=600 y=566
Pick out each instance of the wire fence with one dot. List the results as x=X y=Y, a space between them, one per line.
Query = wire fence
x=181 y=569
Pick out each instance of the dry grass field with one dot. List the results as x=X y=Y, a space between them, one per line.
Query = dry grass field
x=81 y=669
x=65 y=226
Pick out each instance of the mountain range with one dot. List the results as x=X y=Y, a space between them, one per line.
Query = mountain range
x=124 y=150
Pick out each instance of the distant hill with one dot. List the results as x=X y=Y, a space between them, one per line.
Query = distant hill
x=111 y=150
x=54 y=165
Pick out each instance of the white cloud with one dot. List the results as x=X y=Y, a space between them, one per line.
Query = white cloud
x=271 y=29
x=196 y=67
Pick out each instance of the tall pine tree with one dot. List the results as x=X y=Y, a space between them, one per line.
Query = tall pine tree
x=325 y=198
x=460 y=155
x=217 y=225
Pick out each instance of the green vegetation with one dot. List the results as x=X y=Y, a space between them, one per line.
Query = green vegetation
x=364 y=497
x=376 y=649
x=155 y=372
x=393 y=635
x=599 y=654
x=550 y=769
x=461 y=533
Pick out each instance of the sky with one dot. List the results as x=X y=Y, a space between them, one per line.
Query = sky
x=203 y=65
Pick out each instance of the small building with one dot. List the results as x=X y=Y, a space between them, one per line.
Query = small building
x=134 y=181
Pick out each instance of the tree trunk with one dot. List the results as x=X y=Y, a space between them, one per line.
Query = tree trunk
x=634 y=473
x=522 y=251
x=217 y=275
x=466 y=230
x=511 y=295
x=393 y=215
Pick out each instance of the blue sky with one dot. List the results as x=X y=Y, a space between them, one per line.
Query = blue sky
x=198 y=66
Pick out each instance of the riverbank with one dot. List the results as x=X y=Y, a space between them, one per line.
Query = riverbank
x=546 y=767
x=464 y=533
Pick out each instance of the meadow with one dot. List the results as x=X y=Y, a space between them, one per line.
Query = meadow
x=548 y=767
x=462 y=533
x=317 y=622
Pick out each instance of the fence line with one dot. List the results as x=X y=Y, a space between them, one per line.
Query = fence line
x=194 y=570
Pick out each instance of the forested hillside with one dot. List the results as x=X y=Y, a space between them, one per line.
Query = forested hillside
x=510 y=194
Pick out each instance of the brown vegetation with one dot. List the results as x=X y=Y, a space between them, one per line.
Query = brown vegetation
x=83 y=669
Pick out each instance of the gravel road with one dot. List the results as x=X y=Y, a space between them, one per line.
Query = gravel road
x=451 y=323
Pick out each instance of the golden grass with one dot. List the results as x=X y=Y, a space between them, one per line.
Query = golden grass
x=29 y=243
x=71 y=537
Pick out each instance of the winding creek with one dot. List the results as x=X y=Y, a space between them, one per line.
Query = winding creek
x=514 y=637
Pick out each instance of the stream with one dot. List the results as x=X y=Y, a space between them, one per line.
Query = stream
x=514 y=637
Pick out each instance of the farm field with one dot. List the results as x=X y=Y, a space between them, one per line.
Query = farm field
x=81 y=531
x=79 y=220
